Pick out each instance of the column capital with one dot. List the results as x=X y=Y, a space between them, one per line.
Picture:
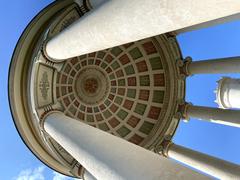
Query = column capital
x=44 y=115
x=227 y=93
x=166 y=145
x=185 y=115
x=182 y=110
x=183 y=64
x=187 y=61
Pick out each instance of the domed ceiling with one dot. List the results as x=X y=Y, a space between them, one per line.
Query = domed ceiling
x=132 y=91
x=121 y=90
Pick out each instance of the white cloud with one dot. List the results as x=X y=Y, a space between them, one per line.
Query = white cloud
x=31 y=174
x=38 y=174
x=57 y=176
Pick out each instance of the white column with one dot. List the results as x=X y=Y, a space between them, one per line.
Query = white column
x=108 y=157
x=221 y=116
x=228 y=93
x=213 y=166
x=118 y=22
x=214 y=66
x=215 y=22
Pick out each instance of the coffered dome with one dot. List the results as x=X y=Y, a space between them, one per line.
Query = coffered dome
x=124 y=90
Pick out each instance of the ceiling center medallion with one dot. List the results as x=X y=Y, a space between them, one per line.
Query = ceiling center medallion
x=91 y=85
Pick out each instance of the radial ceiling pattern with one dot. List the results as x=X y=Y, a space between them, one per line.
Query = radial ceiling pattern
x=120 y=90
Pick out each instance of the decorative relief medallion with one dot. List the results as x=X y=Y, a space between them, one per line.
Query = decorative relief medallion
x=44 y=85
x=44 y=94
x=91 y=85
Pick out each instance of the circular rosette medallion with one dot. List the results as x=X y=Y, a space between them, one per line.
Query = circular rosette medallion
x=91 y=85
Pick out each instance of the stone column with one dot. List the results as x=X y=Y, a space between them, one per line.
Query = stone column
x=228 y=93
x=108 y=157
x=216 y=115
x=119 y=22
x=208 y=164
x=215 y=22
x=214 y=66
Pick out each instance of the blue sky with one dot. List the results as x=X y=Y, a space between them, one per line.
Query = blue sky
x=214 y=42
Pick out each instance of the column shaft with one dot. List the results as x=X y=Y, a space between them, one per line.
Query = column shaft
x=213 y=166
x=216 y=22
x=118 y=22
x=221 y=116
x=108 y=157
x=215 y=66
